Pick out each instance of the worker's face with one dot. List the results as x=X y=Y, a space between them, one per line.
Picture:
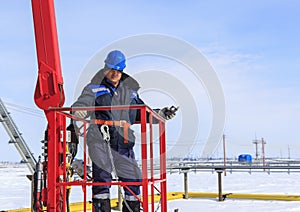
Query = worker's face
x=113 y=76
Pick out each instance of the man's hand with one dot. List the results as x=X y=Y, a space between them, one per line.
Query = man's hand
x=168 y=112
x=80 y=114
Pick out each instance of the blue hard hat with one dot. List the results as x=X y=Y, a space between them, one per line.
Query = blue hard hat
x=115 y=60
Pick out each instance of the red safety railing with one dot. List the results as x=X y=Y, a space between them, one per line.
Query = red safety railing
x=55 y=194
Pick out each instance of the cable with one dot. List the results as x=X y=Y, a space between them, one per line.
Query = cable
x=25 y=110
x=106 y=137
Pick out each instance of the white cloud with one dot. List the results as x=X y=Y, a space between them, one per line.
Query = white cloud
x=254 y=104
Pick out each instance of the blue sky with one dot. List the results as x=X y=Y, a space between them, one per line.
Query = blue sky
x=252 y=45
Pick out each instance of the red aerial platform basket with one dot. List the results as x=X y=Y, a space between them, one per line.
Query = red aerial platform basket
x=152 y=184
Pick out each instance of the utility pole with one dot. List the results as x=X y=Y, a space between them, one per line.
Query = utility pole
x=256 y=142
x=263 y=151
x=289 y=152
x=224 y=151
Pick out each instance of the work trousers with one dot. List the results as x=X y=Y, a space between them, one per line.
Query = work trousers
x=125 y=164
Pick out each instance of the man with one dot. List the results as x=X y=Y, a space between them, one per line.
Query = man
x=111 y=87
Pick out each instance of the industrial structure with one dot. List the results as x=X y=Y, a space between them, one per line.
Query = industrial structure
x=16 y=138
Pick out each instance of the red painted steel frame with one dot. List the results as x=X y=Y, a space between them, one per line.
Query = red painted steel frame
x=57 y=183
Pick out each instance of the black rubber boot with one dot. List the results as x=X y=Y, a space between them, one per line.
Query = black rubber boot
x=134 y=206
x=101 y=205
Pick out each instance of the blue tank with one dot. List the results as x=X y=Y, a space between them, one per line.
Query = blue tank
x=245 y=158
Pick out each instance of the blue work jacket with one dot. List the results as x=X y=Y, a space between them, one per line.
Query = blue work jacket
x=100 y=92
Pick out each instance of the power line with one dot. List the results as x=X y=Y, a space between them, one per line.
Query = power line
x=25 y=110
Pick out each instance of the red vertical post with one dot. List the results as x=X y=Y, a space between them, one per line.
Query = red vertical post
x=84 y=158
x=151 y=161
x=52 y=161
x=144 y=159
x=163 y=167
x=63 y=150
x=56 y=193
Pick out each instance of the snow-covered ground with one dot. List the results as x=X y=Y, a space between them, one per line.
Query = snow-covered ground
x=15 y=190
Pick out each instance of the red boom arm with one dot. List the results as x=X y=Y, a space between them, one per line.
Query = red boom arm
x=49 y=90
